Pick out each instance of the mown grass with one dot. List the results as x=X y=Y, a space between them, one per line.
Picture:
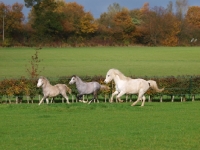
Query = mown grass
x=138 y=61
x=100 y=126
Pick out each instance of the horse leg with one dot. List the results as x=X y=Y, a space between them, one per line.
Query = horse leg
x=79 y=96
x=84 y=99
x=95 y=97
x=113 y=94
x=47 y=100
x=42 y=100
x=140 y=95
x=91 y=101
x=52 y=100
x=66 y=97
x=119 y=95
x=143 y=100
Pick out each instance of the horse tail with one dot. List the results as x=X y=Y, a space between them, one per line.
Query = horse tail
x=154 y=86
x=104 y=88
x=68 y=89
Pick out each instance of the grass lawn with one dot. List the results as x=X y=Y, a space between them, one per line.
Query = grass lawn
x=138 y=61
x=100 y=126
x=116 y=126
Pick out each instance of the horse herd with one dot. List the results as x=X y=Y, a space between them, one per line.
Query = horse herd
x=123 y=85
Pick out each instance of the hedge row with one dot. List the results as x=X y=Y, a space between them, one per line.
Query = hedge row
x=174 y=86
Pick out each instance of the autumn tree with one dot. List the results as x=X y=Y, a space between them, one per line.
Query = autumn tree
x=162 y=27
x=106 y=25
x=192 y=20
x=88 y=24
x=151 y=23
x=170 y=31
x=124 y=27
x=193 y=16
x=13 y=20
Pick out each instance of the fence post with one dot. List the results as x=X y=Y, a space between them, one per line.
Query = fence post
x=172 y=98
x=161 y=98
x=16 y=99
x=190 y=87
x=149 y=98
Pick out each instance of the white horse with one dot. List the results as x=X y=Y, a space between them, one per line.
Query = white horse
x=126 y=85
x=52 y=90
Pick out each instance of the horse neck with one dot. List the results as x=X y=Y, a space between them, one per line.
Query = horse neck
x=47 y=83
x=117 y=79
x=79 y=81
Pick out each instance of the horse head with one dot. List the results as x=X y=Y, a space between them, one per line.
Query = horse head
x=73 y=79
x=109 y=76
x=40 y=81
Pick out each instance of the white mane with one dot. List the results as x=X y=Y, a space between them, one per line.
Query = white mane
x=44 y=79
x=121 y=75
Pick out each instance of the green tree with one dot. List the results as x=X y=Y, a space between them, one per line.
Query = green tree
x=46 y=20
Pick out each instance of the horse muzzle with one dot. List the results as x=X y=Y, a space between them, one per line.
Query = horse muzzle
x=105 y=81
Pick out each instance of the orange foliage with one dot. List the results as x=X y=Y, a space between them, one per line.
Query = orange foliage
x=171 y=31
x=193 y=16
x=87 y=23
x=73 y=13
x=123 y=22
x=13 y=16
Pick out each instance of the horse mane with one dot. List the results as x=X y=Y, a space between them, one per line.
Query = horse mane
x=77 y=77
x=121 y=75
x=45 y=79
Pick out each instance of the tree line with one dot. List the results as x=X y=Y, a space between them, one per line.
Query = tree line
x=59 y=23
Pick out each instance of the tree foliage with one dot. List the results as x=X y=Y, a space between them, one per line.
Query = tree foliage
x=193 y=16
x=57 y=22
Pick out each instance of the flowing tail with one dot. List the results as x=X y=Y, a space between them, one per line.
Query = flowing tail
x=104 y=88
x=68 y=89
x=154 y=86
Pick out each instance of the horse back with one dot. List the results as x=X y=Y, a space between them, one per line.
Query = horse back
x=63 y=88
x=88 y=87
x=133 y=86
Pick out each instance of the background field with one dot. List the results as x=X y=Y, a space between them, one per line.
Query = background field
x=138 y=61
x=79 y=126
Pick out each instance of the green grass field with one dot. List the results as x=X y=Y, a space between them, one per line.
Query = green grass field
x=78 y=126
x=138 y=61
x=116 y=126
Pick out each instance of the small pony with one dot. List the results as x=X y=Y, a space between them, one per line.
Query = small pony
x=52 y=90
x=126 y=85
x=87 y=87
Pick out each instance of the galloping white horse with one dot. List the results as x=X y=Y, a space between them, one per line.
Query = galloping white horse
x=126 y=85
